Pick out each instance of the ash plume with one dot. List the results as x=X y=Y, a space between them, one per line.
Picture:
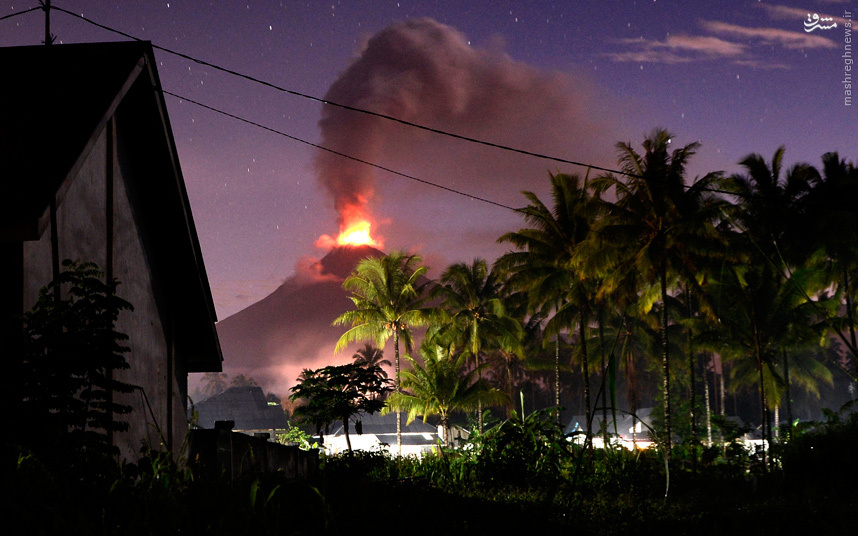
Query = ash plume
x=425 y=72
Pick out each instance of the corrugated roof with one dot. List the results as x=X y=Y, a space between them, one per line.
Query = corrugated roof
x=246 y=406
x=385 y=424
x=624 y=422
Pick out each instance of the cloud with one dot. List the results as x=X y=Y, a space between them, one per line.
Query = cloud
x=770 y=36
x=761 y=64
x=795 y=13
x=678 y=49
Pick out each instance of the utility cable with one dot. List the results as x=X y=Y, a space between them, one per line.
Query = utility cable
x=347 y=107
x=367 y=112
x=38 y=8
x=338 y=153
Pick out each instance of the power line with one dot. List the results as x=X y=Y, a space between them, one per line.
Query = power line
x=4 y=17
x=338 y=153
x=371 y=113
x=347 y=107
x=358 y=110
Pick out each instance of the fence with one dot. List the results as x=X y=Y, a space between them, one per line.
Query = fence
x=224 y=452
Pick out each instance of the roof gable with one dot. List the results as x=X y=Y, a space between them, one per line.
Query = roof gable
x=60 y=99
x=56 y=102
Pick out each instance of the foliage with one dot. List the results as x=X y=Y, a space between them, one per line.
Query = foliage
x=64 y=397
x=295 y=435
x=821 y=455
x=613 y=493
x=335 y=393
x=440 y=385
x=242 y=380
x=214 y=383
x=387 y=296
x=523 y=451
x=368 y=355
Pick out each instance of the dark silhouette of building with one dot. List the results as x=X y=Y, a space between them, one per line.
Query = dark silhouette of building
x=89 y=171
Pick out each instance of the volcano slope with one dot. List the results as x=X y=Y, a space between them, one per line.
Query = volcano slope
x=289 y=330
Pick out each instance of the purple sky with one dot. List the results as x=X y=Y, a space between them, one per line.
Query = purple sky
x=564 y=78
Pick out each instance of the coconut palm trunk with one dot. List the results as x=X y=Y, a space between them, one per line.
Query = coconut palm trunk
x=557 y=376
x=604 y=370
x=398 y=390
x=763 y=420
x=585 y=373
x=346 y=432
x=479 y=403
x=788 y=394
x=708 y=407
x=691 y=374
x=722 y=390
x=665 y=359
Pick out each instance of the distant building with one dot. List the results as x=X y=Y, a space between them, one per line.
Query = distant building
x=90 y=172
x=247 y=409
x=379 y=432
x=631 y=431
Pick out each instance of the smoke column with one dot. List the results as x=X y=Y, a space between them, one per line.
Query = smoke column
x=425 y=72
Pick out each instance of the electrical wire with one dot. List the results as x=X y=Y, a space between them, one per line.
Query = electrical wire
x=39 y=8
x=347 y=107
x=363 y=111
x=338 y=153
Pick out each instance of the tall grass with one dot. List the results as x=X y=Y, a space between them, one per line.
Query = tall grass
x=520 y=476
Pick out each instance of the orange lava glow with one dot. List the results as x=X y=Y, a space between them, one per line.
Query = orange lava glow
x=356 y=233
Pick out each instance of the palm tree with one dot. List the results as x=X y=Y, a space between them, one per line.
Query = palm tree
x=830 y=225
x=768 y=319
x=655 y=233
x=388 y=299
x=243 y=380
x=476 y=317
x=214 y=383
x=369 y=356
x=546 y=265
x=441 y=385
x=763 y=293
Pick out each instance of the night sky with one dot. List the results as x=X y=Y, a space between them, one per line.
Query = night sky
x=568 y=79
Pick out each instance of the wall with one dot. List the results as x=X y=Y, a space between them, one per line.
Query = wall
x=90 y=228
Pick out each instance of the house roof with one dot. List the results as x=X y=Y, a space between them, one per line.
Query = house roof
x=624 y=422
x=54 y=104
x=378 y=424
x=246 y=406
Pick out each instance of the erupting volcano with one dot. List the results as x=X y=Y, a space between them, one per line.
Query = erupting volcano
x=274 y=339
x=357 y=232
x=423 y=72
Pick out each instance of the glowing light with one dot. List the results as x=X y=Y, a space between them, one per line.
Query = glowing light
x=355 y=233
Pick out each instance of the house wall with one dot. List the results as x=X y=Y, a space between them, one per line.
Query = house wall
x=337 y=444
x=95 y=222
